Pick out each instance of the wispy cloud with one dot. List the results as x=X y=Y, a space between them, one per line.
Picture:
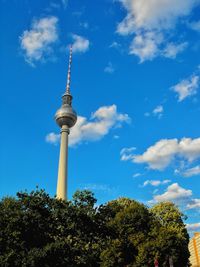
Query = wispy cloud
x=99 y=125
x=65 y=3
x=172 y=49
x=97 y=187
x=37 y=42
x=85 y=25
x=186 y=87
x=194 y=204
x=109 y=68
x=126 y=153
x=156 y=182
x=137 y=174
x=192 y=171
x=157 y=112
x=115 y=45
x=193 y=227
x=150 y=23
x=80 y=44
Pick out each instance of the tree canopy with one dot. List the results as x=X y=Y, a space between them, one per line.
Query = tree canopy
x=37 y=230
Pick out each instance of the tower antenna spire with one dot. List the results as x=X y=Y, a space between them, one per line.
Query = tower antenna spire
x=69 y=72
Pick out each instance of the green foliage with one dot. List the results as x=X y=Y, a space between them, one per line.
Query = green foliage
x=173 y=237
x=37 y=230
x=84 y=199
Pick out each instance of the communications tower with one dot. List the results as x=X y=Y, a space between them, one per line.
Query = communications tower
x=66 y=118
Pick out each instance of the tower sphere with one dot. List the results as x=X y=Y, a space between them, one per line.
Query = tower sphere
x=66 y=115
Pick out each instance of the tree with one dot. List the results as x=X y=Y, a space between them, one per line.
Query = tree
x=37 y=230
x=172 y=237
x=129 y=224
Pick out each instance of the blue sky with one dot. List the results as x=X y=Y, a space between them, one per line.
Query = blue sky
x=135 y=83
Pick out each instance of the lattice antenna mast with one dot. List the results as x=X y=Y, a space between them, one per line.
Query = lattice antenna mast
x=69 y=72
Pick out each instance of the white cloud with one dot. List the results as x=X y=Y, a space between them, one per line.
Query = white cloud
x=193 y=227
x=99 y=125
x=80 y=44
x=153 y=14
x=192 y=171
x=160 y=155
x=146 y=45
x=150 y=22
x=174 y=193
x=37 y=42
x=157 y=156
x=178 y=195
x=156 y=182
x=194 y=204
x=163 y=152
x=187 y=87
x=109 y=68
x=52 y=138
x=157 y=111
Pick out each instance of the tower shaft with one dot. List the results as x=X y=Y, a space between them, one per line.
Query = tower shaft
x=62 y=168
